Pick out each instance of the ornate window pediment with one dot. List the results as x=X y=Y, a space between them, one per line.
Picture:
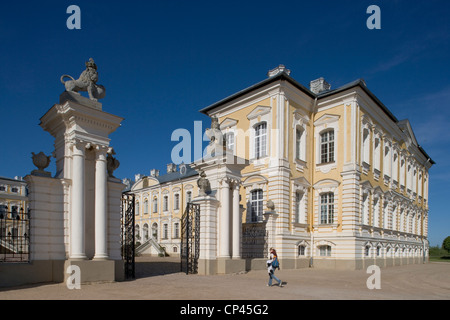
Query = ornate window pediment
x=228 y=123
x=258 y=111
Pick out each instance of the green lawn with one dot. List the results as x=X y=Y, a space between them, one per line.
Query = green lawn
x=440 y=258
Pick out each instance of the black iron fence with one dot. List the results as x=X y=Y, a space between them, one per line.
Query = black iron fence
x=15 y=236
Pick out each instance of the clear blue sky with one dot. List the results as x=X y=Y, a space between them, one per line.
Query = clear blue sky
x=162 y=61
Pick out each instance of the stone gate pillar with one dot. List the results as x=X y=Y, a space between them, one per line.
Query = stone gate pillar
x=223 y=170
x=85 y=162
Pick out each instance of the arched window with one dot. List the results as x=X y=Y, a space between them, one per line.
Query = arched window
x=327 y=146
x=155 y=204
x=367 y=251
x=155 y=230
x=165 y=231
x=176 y=230
x=256 y=203
x=136 y=208
x=145 y=206
x=261 y=140
x=188 y=196
x=145 y=232
x=137 y=232
x=165 y=203
x=176 y=201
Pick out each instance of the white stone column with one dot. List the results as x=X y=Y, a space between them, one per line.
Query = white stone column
x=101 y=204
x=77 y=236
x=236 y=223
x=224 y=227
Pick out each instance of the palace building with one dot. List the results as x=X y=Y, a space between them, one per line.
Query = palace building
x=347 y=180
x=14 y=231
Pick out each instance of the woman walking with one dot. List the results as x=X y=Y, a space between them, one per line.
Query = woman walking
x=273 y=264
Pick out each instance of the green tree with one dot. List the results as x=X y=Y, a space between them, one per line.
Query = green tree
x=446 y=244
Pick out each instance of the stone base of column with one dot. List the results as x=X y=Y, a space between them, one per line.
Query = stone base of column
x=93 y=270
x=100 y=257
x=228 y=266
x=207 y=267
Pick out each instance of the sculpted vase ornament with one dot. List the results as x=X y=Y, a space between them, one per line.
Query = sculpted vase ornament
x=203 y=184
x=112 y=164
x=41 y=161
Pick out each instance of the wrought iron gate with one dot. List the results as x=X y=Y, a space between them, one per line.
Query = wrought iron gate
x=128 y=245
x=190 y=239
x=254 y=240
x=14 y=235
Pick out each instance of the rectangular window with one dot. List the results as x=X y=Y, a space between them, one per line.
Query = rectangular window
x=327 y=147
x=327 y=208
x=325 y=251
x=229 y=141
x=298 y=139
x=301 y=250
x=260 y=140
x=256 y=205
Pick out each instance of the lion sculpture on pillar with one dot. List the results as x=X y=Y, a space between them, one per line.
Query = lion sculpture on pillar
x=86 y=82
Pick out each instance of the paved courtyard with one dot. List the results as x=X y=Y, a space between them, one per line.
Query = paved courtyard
x=160 y=279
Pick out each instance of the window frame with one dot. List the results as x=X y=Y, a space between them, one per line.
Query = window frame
x=325 y=249
x=329 y=146
x=329 y=207
x=260 y=140
x=256 y=205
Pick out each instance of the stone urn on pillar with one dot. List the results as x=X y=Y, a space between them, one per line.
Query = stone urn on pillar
x=41 y=161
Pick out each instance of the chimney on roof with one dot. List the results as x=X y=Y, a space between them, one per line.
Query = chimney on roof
x=319 y=85
x=154 y=173
x=171 y=167
x=280 y=69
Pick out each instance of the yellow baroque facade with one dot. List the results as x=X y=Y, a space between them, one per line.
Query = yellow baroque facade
x=13 y=195
x=159 y=205
x=348 y=180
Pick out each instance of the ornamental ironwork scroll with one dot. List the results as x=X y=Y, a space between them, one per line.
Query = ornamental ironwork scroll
x=128 y=235
x=190 y=239
x=254 y=240
x=14 y=235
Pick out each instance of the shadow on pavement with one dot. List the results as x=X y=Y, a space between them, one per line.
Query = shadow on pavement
x=156 y=266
